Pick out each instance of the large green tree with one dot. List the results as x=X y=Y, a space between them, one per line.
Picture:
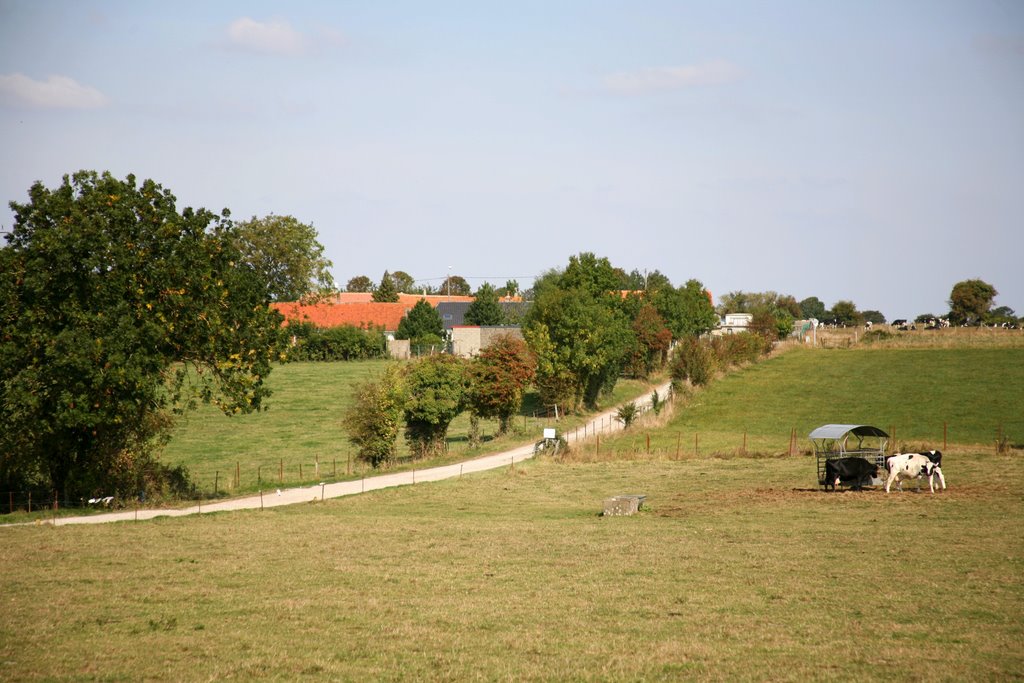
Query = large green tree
x=578 y=331
x=360 y=283
x=970 y=301
x=116 y=309
x=686 y=310
x=286 y=254
x=812 y=307
x=455 y=285
x=485 y=309
x=435 y=394
x=403 y=281
x=386 y=291
x=499 y=376
x=422 y=325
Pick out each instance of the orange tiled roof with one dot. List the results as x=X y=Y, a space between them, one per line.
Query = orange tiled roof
x=365 y=315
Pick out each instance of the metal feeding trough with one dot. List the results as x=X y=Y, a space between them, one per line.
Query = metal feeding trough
x=833 y=441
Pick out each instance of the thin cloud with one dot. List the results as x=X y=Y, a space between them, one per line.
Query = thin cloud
x=275 y=37
x=56 y=92
x=657 y=78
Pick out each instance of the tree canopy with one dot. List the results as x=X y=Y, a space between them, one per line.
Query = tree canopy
x=455 y=285
x=435 y=394
x=421 y=325
x=360 y=283
x=285 y=253
x=499 y=376
x=578 y=332
x=970 y=301
x=485 y=309
x=386 y=291
x=117 y=309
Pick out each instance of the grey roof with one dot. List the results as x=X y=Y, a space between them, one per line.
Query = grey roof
x=839 y=431
x=454 y=312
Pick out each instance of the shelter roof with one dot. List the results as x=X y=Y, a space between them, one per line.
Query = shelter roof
x=838 y=431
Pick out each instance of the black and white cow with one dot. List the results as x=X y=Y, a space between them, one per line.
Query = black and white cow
x=845 y=470
x=908 y=466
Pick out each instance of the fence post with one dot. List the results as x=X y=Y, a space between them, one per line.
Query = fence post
x=216 y=477
x=259 y=475
x=238 y=475
x=30 y=501
x=599 y=445
x=300 y=474
x=679 y=441
x=696 y=445
x=648 y=443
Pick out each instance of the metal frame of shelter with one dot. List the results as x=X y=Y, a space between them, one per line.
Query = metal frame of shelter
x=832 y=442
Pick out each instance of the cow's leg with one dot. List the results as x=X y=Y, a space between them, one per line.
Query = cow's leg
x=942 y=479
x=888 y=481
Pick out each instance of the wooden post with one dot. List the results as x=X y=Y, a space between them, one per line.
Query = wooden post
x=216 y=477
x=300 y=474
x=696 y=444
x=460 y=470
x=259 y=474
x=238 y=474
x=648 y=444
x=679 y=441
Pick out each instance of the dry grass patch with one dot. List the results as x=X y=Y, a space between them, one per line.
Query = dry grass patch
x=730 y=574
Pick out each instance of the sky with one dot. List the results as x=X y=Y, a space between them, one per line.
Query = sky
x=870 y=151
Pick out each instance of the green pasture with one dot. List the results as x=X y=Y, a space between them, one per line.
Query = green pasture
x=972 y=393
x=735 y=571
x=300 y=438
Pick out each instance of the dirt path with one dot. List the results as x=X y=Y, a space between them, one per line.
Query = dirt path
x=603 y=423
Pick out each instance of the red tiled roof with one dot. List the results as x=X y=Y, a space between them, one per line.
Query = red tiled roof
x=365 y=315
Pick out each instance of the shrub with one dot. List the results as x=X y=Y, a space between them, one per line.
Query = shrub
x=627 y=414
x=694 y=361
x=312 y=343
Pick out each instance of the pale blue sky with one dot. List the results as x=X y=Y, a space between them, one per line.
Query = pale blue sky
x=871 y=151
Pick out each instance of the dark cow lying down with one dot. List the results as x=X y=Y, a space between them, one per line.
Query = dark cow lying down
x=853 y=472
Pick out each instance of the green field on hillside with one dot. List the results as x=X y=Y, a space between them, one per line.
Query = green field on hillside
x=302 y=429
x=974 y=391
x=736 y=571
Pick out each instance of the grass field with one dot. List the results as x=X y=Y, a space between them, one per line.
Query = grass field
x=738 y=569
x=731 y=573
x=913 y=392
x=303 y=428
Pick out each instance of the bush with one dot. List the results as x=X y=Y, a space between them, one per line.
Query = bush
x=627 y=414
x=694 y=361
x=877 y=336
x=314 y=343
x=734 y=349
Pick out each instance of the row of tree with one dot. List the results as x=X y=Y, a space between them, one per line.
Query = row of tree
x=970 y=303
x=426 y=395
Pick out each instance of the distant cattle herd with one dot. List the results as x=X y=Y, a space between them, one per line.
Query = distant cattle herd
x=857 y=472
